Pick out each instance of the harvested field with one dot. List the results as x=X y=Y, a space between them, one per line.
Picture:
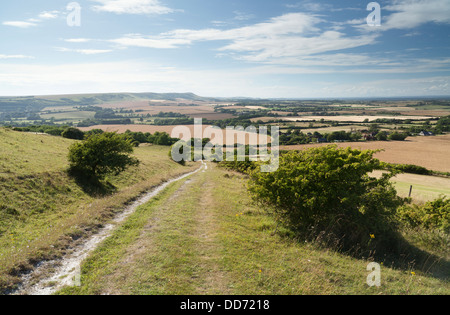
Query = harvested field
x=351 y=118
x=208 y=132
x=334 y=129
x=430 y=152
x=185 y=107
x=212 y=116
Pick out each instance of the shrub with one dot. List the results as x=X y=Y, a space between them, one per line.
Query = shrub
x=244 y=167
x=411 y=169
x=73 y=133
x=433 y=215
x=101 y=154
x=396 y=136
x=327 y=191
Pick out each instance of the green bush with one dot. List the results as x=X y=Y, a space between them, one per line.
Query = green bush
x=409 y=168
x=432 y=215
x=100 y=155
x=396 y=136
x=73 y=133
x=327 y=193
x=244 y=167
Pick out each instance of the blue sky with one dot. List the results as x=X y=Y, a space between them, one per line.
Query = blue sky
x=254 y=48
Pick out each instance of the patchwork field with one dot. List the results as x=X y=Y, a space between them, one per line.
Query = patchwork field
x=208 y=132
x=430 y=152
x=351 y=118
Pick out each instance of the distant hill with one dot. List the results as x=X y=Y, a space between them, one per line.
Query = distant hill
x=37 y=103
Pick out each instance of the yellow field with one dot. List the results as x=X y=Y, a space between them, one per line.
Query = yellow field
x=430 y=152
x=169 y=129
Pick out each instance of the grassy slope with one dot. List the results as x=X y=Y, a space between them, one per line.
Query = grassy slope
x=42 y=209
x=204 y=236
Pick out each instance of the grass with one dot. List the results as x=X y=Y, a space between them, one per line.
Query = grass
x=204 y=236
x=42 y=209
x=425 y=188
x=69 y=116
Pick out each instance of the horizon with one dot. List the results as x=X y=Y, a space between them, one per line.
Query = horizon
x=372 y=98
x=293 y=49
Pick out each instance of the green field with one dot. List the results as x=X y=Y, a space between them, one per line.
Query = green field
x=425 y=188
x=69 y=116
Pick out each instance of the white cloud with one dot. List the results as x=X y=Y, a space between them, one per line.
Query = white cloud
x=77 y=40
x=132 y=76
x=289 y=35
x=84 y=51
x=138 y=40
x=409 y=14
x=413 y=13
x=15 y=57
x=132 y=7
x=49 y=15
x=20 y=24
x=32 y=22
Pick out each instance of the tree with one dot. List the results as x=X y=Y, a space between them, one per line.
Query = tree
x=100 y=155
x=73 y=133
x=382 y=136
x=396 y=136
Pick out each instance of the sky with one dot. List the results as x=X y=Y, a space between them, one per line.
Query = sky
x=246 y=48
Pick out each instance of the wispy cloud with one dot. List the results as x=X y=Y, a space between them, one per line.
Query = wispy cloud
x=46 y=15
x=33 y=22
x=19 y=24
x=139 y=40
x=84 y=51
x=132 y=7
x=15 y=57
x=77 y=40
x=289 y=35
x=241 y=16
x=409 y=14
x=413 y=13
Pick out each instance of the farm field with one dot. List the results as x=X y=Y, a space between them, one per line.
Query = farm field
x=76 y=116
x=152 y=107
x=250 y=139
x=430 y=152
x=425 y=188
x=352 y=118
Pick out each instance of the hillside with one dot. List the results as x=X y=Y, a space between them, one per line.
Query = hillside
x=37 y=103
x=200 y=235
x=42 y=209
